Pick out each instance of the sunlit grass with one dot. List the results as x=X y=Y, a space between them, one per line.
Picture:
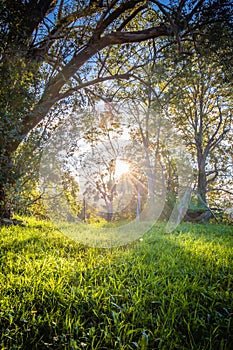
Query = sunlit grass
x=103 y=234
x=170 y=291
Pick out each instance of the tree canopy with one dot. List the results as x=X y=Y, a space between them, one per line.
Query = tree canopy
x=52 y=51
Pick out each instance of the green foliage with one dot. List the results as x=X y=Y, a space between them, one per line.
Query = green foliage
x=56 y=50
x=18 y=93
x=225 y=217
x=61 y=202
x=95 y=220
x=167 y=292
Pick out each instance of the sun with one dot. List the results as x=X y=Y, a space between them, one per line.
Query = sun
x=122 y=167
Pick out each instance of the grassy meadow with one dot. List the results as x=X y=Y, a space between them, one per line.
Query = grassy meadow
x=169 y=291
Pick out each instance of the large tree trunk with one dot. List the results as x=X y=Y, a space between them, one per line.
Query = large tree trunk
x=4 y=213
x=6 y=180
x=202 y=181
x=5 y=208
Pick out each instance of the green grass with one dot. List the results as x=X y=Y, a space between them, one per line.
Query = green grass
x=170 y=291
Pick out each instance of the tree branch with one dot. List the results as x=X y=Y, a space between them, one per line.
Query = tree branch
x=219 y=189
x=39 y=51
x=124 y=24
x=102 y=25
x=94 y=82
x=52 y=90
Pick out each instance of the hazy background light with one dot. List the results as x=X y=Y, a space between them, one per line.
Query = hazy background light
x=122 y=167
x=121 y=164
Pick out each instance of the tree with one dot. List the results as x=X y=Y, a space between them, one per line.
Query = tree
x=201 y=106
x=49 y=52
